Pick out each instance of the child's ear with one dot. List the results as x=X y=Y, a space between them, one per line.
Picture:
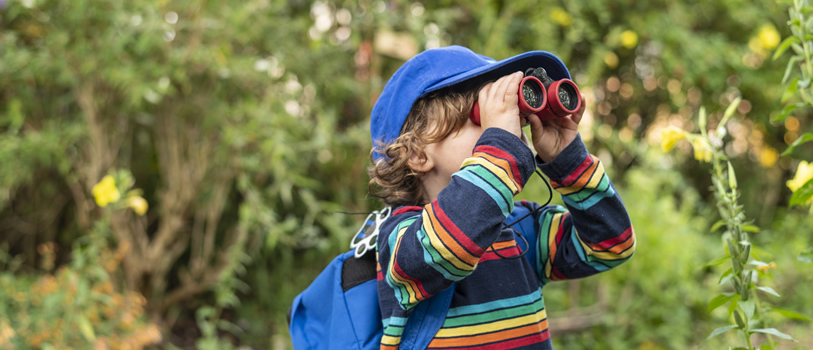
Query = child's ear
x=420 y=163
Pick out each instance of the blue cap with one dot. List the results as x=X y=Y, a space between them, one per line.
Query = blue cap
x=435 y=69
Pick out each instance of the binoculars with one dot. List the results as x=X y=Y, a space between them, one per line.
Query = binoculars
x=539 y=94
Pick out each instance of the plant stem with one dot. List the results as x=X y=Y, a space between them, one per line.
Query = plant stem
x=748 y=339
x=758 y=306
x=725 y=190
x=805 y=47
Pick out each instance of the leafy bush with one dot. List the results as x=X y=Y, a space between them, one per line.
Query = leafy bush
x=77 y=306
x=244 y=122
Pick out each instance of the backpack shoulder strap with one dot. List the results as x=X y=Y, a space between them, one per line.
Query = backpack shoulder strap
x=426 y=319
x=526 y=227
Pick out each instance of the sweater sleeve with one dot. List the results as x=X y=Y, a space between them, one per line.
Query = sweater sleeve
x=594 y=233
x=422 y=252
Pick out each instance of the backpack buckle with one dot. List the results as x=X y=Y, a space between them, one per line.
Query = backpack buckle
x=365 y=239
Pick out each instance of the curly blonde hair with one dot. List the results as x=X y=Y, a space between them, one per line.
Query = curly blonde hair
x=432 y=119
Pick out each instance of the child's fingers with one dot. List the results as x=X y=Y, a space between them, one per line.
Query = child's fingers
x=536 y=125
x=511 y=96
x=499 y=87
x=483 y=95
x=577 y=117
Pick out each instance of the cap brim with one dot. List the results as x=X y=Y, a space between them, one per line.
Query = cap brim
x=532 y=59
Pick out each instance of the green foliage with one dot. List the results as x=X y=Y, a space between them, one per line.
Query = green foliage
x=798 y=91
x=802 y=195
x=743 y=303
x=75 y=307
x=244 y=122
x=807 y=137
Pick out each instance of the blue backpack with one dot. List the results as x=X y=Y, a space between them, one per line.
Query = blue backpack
x=340 y=310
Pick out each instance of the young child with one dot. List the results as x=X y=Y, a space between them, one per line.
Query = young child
x=452 y=183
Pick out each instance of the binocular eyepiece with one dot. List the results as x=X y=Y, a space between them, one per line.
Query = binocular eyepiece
x=539 y=94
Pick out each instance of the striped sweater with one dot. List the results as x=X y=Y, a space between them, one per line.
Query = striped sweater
x=497 y=303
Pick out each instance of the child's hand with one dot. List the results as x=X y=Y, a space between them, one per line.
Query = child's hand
x=551 y=137
x=498 y=104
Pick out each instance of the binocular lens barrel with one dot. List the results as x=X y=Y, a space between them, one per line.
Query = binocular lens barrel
x=568 y=96
x=533 y=93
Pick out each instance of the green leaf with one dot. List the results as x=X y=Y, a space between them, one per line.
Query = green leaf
x=748 y=307
x=786 y=112
x=86 y=328
x=733 y=251
x=726 y=275
x=729 y=111
x=791 y=314
x=758 y=263
x=732 y=178
x=719 y=300
x=717 y=261
x=773 y=331
x=741 y=323
x=784 y=46
x=790 y=91
x=746 y=252
x=733 y=304
x=721 y=330
x=717 y=226
x=750 y=228
x=807 y=137
x=798 y=49
x=791 y=63
x=806 y=256
x=801 y=195
x=769 y=290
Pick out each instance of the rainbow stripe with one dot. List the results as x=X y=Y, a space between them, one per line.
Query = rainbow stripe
x=393 y=329
x=499 y=324
x=409 y=291
x=586 y=186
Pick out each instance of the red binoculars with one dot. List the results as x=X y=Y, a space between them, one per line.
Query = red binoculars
x=539 y=94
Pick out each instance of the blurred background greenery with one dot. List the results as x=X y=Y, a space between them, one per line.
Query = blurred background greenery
x=244 y=126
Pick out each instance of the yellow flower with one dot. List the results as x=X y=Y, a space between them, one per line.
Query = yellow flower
x=138 y=204
x=629 y=39
x=106 y=192
x=803 y=174
x=670 y=136
x=561 y=17
x=768 y=157
x=765 y=268
x=768 y=37
x=702 y=149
